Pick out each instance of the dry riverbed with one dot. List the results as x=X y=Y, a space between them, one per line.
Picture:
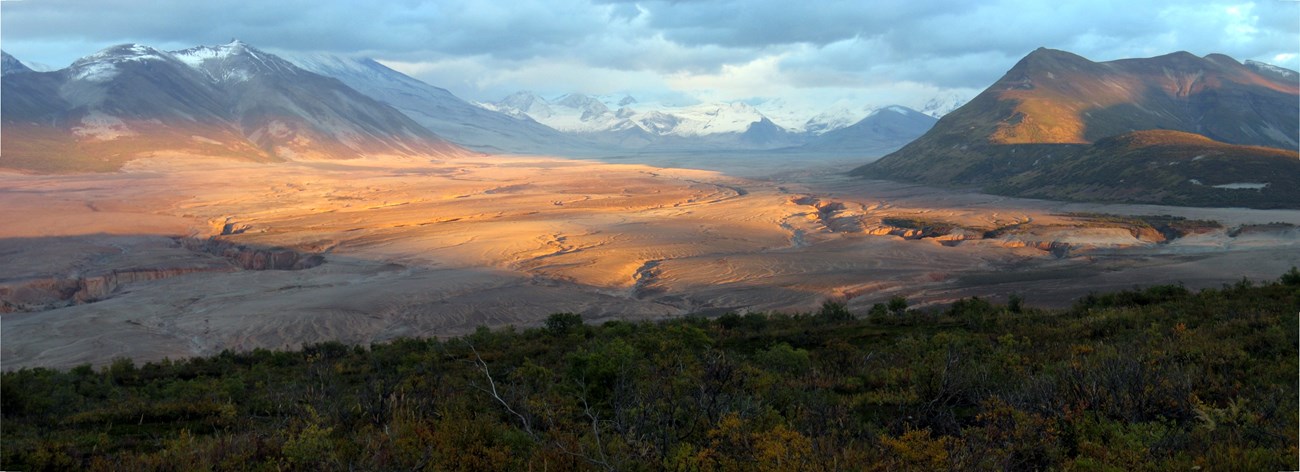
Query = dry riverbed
x=177 y=256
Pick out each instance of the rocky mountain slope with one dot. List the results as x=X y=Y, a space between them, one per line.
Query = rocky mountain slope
x=231 y=100
x=1055 y=115
x=439 y=110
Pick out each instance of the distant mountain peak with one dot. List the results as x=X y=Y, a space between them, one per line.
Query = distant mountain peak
x=580 y=101
x=899 y=109
x=1046 y=52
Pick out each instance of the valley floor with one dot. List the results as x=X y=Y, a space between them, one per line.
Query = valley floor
x=169 y=258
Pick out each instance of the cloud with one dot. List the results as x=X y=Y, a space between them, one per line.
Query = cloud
x=705 y=49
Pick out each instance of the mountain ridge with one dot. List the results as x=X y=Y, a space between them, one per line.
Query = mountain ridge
x=1054 y=108
x=233 y=100
x=438 y=109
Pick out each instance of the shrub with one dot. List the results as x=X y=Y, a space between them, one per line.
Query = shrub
x=560 y=324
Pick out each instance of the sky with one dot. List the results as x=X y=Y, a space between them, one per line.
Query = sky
x=820 y=54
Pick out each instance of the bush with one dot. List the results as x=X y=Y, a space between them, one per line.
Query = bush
x=898 y=305
x=560 y=324
x=1292 y=277
x=834 y=311
x=1014 y=303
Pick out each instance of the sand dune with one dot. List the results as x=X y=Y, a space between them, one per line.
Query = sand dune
x=434 y=248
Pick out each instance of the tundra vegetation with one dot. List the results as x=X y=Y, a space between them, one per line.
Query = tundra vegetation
x=1159 y=378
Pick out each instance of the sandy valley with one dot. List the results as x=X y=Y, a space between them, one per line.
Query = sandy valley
x=177 y=257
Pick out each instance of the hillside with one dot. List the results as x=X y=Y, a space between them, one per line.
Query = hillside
x=1053 y=110
x=232 y=100
x=1164 y=167
x=1153 y=379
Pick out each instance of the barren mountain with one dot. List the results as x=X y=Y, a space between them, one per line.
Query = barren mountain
x=439 y=110
x=232 y=100
x=1054 y=110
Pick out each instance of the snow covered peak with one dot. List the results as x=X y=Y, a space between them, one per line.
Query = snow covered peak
x=235 y=61
x=125 y=52
x=1264 y=66
x=522 y=104
x=836 y=118
x=587 y=114
x=103 y=65
x=590 y=108
x=943 y=104
x=580 y=113
x=122 y=53
x=712 y=118
x=198 y=55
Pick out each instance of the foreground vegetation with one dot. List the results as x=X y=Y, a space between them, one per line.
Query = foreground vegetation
x=1153 y=379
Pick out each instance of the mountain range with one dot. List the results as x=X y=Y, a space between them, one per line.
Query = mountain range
x=235 y=100
x=1174 y=129
x=624 y=122
x=441 y=111
x=232 y=100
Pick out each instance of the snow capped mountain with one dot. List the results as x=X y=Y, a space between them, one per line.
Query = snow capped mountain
x=835 y=118
x=230 y=100
x=521 y=105
x=716 y=118
x=943 y=104
x=104 y=65
x=320 y=105
x=1266 y=68
x=578 y=113
x=624 y=122
x=575 y=112
x=442 y=112
x=234 y=62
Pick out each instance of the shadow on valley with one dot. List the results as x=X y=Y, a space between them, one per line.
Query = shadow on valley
x=85 y=269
